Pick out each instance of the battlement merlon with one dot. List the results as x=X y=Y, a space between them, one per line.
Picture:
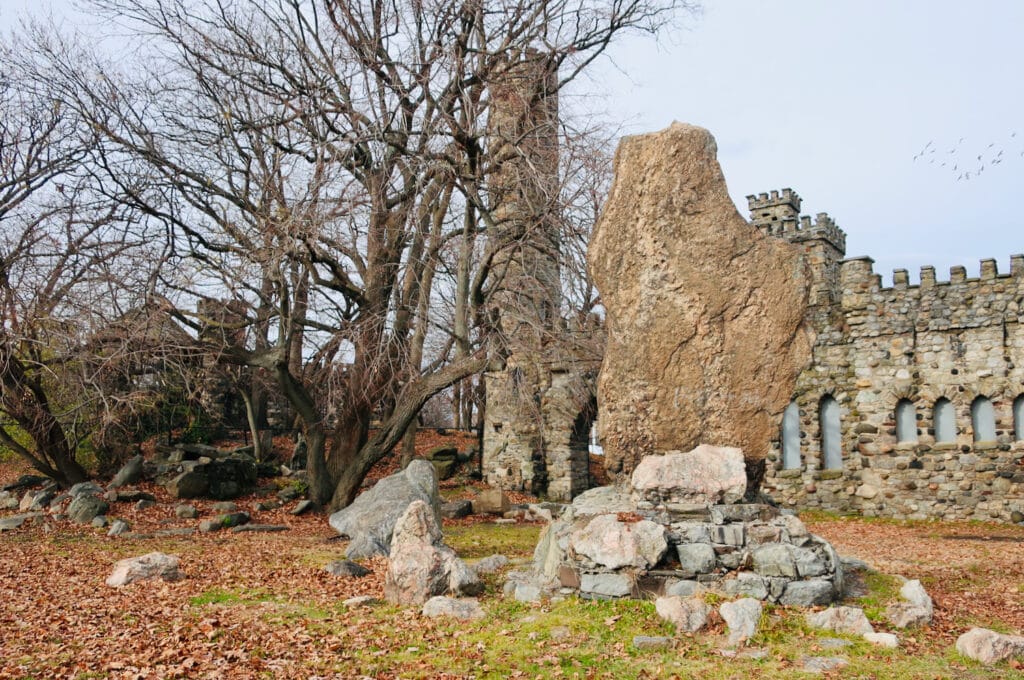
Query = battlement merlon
x=861 y=270
x=770 y=207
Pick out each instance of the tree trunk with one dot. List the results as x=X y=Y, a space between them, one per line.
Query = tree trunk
x=407 y=406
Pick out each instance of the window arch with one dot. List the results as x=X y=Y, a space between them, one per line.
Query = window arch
x=791 y=437
x=983 y=419
x=906 y=421
x=831 y=433
x=945 y=421
x=1018 y=418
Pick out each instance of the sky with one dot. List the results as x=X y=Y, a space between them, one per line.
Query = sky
x=838 y=100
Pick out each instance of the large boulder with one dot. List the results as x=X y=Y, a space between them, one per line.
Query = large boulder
x=370 y=520
x=421 y=565
x=705 y=315
x=989 y=647
x=129 y=473
x=150 y=566
x=707 y=475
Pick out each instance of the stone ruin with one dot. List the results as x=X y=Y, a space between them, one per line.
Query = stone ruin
x=908 y=400
x=679 y=527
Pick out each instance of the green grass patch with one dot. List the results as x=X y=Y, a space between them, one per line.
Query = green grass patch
x=230 y=597
x=481 y=540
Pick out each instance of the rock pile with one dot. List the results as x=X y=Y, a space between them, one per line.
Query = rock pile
x=669 y=534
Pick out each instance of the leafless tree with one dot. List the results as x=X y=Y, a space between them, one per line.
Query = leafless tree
x=70 y=267
x=328 y=164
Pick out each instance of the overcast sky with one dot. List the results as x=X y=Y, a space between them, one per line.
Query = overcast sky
x=835 y=99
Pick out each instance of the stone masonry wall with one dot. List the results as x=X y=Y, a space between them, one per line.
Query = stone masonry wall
x=959 y=340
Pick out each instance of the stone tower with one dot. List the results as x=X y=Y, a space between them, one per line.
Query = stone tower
x=824 y=243
x=532 y=440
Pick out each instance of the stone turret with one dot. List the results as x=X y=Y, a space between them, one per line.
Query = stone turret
x=778 y=214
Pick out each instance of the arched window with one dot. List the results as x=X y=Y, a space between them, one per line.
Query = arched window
x=945 y=421
x=983 y=419
x=906 y=421
x=791 y=437
x=1018 y=418
x=831 y=436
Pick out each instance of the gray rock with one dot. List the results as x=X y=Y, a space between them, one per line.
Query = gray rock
x=527 y=592
x=421 y=565
x=227 y=521
x=807 y=593
x=602 y=500
x=118 y=527
x=346 y=569
x=809 y=562
x=259 y=528
x=606 y=585
x=917 y=610
x=684 y=588
x=129 y=473
x=150 y=566
x=887 y=640
x=302 y=507
x=83 y=509
x=185 y=512
x=688 y=615
x=100 y=521
x=33 y=501
x=775 y=559
x=612 y=544
x=224 y=507
x=17 y=521
x=491 y=564
x=989 y=647
x=25 y=481
x=361 y=601
x=696 y=558
x=85 y=489
x=848 y=620
x=464 y=609
x=742 y=617
x=456 y=509
x=370 y=520
x=143 y=504
x=8 y=501
x=822 y=664
x=747 y=584
x=649 y=642
x=189 y=484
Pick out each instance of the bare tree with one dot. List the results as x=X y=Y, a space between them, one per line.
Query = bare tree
x=329 y=164
x=69 y=266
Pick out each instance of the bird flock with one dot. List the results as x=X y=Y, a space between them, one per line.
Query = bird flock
x=964 y=163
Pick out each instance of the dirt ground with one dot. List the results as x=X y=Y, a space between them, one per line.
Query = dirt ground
x=58 y=619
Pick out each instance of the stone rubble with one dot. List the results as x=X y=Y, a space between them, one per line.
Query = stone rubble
x=370 y=520
x=421 y=565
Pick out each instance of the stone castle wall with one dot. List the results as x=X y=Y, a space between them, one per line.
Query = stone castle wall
x=886 y=359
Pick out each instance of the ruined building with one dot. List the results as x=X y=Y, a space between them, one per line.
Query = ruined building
x=913 y=406
x=539 y=407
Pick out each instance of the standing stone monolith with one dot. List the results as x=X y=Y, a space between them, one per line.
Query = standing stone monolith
x=705 y=315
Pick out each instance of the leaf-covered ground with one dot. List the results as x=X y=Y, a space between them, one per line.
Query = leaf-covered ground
x=261 y=605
